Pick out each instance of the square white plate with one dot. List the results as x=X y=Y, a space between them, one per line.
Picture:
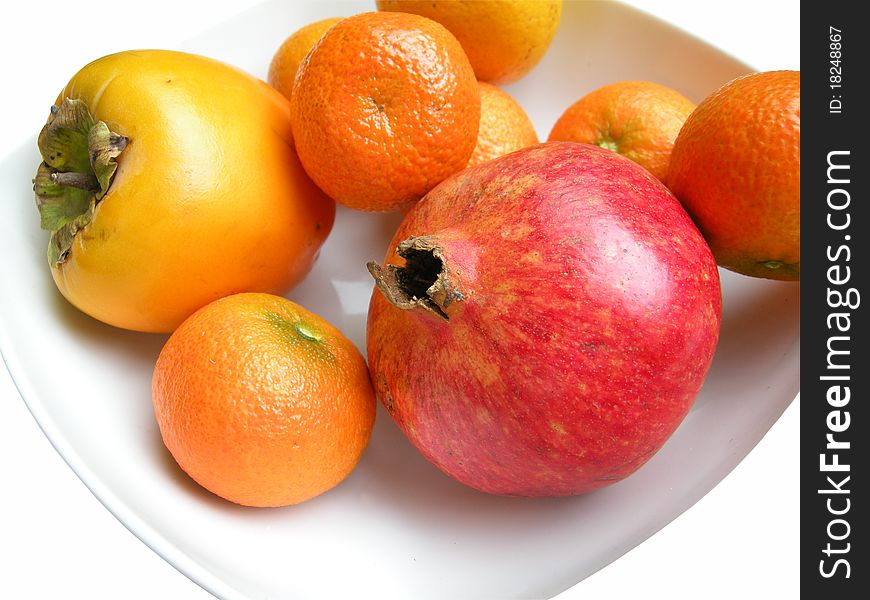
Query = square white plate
x=397 y=527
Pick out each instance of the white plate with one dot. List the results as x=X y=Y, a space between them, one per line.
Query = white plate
x=397 y=527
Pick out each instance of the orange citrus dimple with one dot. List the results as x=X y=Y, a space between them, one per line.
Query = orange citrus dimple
x=736 y=169
x=504 y=126
x=638 y=119
x=262 y=402
x=383 y=109
x=286 y=61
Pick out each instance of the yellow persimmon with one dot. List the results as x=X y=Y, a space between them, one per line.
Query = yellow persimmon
x=170 y=180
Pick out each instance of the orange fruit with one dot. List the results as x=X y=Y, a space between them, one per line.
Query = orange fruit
x=383 y=108
x=262 y=402
x=736 y=167
x=638 y=119
x=286 y=61
x=504 y=125
x=503 y=40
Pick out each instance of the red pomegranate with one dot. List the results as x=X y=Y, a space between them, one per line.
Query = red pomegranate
x=543 y=321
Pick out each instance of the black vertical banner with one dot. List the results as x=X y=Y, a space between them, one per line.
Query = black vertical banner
x=835 y=227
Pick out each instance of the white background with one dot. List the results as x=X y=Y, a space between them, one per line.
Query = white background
x=56 y=539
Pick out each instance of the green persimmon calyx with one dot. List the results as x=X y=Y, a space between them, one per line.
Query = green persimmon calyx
x=78 y=163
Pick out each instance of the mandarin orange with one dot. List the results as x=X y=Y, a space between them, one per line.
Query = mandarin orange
x=504 y=125
x=288 y=57
x=504 y=40
x=638 y=119
x=262 y=402
x=736 y=167
x=384 y=108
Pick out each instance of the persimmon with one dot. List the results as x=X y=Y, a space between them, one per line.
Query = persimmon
x=170 y=180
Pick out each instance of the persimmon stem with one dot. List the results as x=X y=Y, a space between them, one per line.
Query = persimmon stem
x=79 y=160
x=81 y=181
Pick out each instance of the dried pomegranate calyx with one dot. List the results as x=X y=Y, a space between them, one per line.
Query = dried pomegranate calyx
x=424 y=282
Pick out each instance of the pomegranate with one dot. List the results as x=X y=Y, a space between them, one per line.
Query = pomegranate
x=543 y=321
